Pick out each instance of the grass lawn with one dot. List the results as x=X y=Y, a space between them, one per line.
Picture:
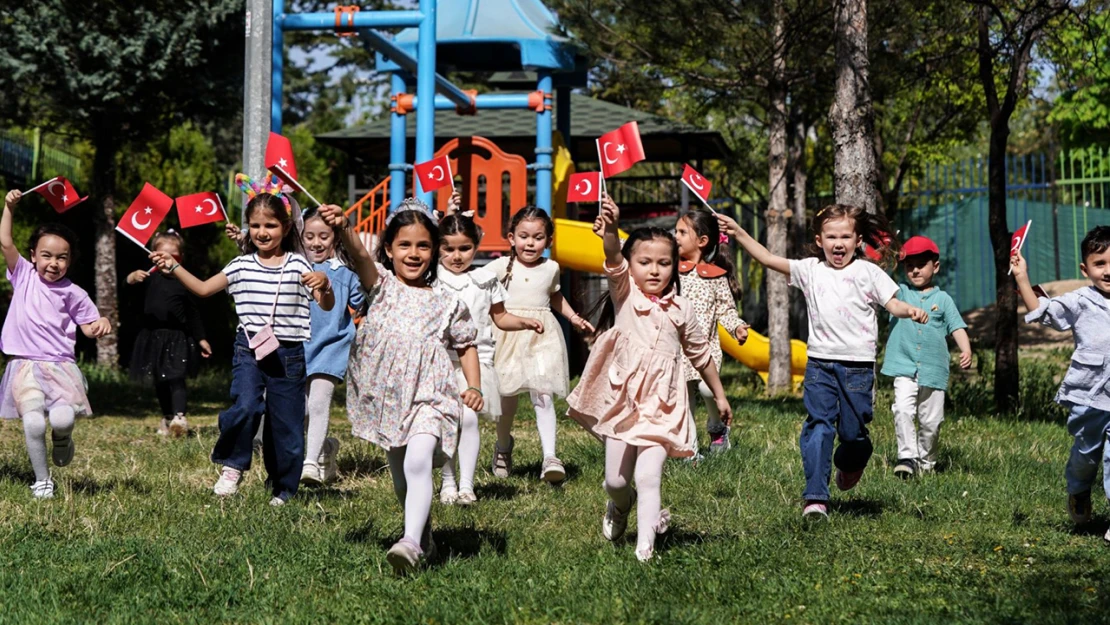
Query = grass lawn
x=135 y=535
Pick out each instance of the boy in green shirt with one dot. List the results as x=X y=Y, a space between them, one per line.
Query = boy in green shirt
x=917 y=359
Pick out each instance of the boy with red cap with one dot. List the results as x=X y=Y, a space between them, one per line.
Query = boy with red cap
x=917 y=359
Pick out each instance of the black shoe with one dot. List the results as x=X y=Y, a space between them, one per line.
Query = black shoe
x=905 y=468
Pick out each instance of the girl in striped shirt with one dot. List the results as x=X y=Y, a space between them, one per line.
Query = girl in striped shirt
x=271 y=284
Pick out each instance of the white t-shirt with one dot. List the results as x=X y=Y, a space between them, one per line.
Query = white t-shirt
x=479 y=289
x=841 y=304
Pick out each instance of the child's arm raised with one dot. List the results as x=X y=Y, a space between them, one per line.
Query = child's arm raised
x=1021 y=276
x=472 y=371
x=318 y=283
x=11 y=252
x=509 y=322
x=364 y=263
x=193 y=284
x=761 y=254
x=606 y=226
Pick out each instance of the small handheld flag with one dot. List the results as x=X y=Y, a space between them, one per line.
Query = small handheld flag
x=620 y=149
x=144 y=215
x=435 y=174
x=585 y=187
x=199 y=209
x=279 y=160
x=59 y=193
x=1018 y=240
x=698 y=184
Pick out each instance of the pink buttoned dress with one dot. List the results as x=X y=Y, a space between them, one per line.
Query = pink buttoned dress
x=634 y=388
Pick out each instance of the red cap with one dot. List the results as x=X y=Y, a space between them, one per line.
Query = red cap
x=919 y=245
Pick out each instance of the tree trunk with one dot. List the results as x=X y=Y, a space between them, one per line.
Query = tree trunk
x=778 y=298
x=1006 y=327
x=798 y=173
x=104 y=183
x=855 y=174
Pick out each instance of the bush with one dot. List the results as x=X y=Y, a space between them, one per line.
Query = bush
x=973 y=393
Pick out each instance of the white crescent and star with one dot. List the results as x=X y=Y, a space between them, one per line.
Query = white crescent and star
x=691 y=180
x=438 y=168
x=283 y=163
x=589 y=186
x=135 y=219
x=50 y=188
x=605 y=152
x=214 y=207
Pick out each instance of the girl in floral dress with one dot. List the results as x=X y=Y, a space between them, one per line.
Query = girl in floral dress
x=402 y=393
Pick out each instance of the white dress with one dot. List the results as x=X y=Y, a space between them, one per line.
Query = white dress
x=526 y=361
x=479 y=289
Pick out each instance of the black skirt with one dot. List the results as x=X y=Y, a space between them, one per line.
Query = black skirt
x=162 y=355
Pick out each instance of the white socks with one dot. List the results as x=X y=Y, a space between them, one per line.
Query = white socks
x=320 y=389
x=621 y=461
x=34 y=431
x=411 y=468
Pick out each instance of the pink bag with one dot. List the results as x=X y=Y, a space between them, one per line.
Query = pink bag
x=264 y=343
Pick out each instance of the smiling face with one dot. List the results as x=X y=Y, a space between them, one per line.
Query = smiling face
x=456 y=252
x=1097 y=268
x=529 y=239
x=689 y=243
x=411 y=254
x=920 y=269
x=651 y=264
x=51 y=257
x=838 y=240
x=319 y=240
x=266 y=231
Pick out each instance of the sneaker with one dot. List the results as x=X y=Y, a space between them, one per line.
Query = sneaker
x=43 y=489
x=329 y=460
x=847 y=481
x=815 y=510
x=719 y=442
x=164 y=427
x=311 y=473
x=466 y=498
x=695 y=459
x=228 y=484
x=448 y=495
x=553 y=471
x=63 y=450
x=503 y=459
x=905 y=468
x=179 y=426
x=615 y=522
x=277 y=502
x=1079 y=507
x=643 y=554
x=404 y=556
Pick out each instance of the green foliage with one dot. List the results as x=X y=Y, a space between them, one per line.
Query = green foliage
x=1040 y=375
x=1081 y=54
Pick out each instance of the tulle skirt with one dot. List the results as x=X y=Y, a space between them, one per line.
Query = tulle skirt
x=38 y=386
x=527 y=362
x=163 y=355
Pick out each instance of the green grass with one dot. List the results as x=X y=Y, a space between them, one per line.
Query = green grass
x=135 y=535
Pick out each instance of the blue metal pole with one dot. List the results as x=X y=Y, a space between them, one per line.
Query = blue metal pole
x=485 y=102
x=397 y=142
x=363 y=19
x=543 y=147
x=276 y=66
x=375 y=40
x=425 y=86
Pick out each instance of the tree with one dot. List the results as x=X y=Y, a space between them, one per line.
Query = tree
x=118 y=73
x=851 y=117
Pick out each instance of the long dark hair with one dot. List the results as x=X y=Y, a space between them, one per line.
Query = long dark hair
x=58 y=230
x=525 y=214
x=873 y=228
x=337 y=241
x=704 y=224
x=291 y=241
x=605 y=304
x=410 y=217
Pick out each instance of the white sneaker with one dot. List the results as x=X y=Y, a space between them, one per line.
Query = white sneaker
x=43 y=489
x=179 y=426
x=553 y=471
x=466 y=498
x=164 y=427
x=329 y=460
x=448 y=495
x=277 y=502
x=63 y=450
x=228 y=484
x=643 y=554
x=615 y=522
x=311 y=473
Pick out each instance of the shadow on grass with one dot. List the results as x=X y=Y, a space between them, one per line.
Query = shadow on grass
x=88 y=486
x=360 y=465
x=857 y=507
x=18 y=473
x=496 y=490
x=469 y=542
x=679 y=539
x=322 y=493
x=1097 y=526
x=532 y=470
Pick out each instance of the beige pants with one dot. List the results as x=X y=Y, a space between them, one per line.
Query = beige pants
x=918 y=413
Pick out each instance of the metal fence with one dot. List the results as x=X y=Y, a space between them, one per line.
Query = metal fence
x=25 y=161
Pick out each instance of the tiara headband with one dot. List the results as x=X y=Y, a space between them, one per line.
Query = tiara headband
x=413 y=204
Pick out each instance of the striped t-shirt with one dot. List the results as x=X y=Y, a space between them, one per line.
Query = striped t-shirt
x=252 y=287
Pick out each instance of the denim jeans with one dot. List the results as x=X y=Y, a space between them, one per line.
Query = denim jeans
x=274 y=388
x=838 y=397
x=1089 y=427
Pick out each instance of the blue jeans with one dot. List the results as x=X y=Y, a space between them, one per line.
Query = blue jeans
x=838 y=397
x=1089 y=427
x=273 y=388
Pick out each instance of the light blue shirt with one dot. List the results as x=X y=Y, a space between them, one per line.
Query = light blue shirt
x=1086 y=313
x=333 y=330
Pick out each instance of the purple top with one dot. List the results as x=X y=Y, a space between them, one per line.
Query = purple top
x=43 y=317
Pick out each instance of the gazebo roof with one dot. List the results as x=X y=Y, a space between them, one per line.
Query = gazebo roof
x=514 y=131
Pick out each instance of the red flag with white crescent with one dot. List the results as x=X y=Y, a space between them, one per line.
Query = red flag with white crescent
x=279 y=160
x=434 y=174
x=1018 y=240
x=620 y=149
x=199 y=209
x=59 y=193
x=144 y=215
x=697 y=183
x=584 y=187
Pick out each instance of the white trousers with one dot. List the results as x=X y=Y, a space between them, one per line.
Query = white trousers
x=918 y=413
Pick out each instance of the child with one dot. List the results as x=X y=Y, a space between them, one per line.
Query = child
x=326 y=353
x=917 y=359
x=1085 y=391
x=401 y=389
x=41 y=379
x=272 y=286
x=708 y=280
x=633 y=394
x=484 y=296
x=526 y=362
x=165 y=350
x=843 y=334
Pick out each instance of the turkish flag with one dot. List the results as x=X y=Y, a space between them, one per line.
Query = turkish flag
x=620 y=149
x=199 y=209
x=60 y=193
x=1018 y=240
x=435 y=174
x=697 y=183
x=279 y=159
x=584 y=187
x=144 y=215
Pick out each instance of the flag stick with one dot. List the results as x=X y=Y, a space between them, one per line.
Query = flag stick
x=1028 y=225
x=134 y=240
x=451 y=175
x=601 y=169
x=317 y=202
x=39 y=186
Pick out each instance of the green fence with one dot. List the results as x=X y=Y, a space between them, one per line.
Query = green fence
x=25 y=161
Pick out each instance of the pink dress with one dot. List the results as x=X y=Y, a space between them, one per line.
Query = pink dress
x=633 y=388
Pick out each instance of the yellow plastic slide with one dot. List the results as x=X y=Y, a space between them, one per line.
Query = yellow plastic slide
x=577 y=247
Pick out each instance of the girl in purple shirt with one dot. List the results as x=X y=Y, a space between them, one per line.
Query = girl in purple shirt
x=42 y=379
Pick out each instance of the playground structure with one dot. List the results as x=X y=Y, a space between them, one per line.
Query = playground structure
x=481 y=35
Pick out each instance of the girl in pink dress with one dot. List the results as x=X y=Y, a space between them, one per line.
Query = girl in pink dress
x=633 y=393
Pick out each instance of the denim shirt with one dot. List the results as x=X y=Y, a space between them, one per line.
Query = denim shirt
x=1086 y=313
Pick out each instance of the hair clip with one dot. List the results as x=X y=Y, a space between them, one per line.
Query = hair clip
x=723 y=240
x=467 y=214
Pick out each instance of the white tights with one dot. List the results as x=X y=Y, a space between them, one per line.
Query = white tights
x=34 y=430
x=318 y=407
x=467 y=454
x=411 y=468
x=622 y=462
x=544 y=405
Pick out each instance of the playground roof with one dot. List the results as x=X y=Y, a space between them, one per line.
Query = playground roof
x=514 y=131
x=493 y=35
